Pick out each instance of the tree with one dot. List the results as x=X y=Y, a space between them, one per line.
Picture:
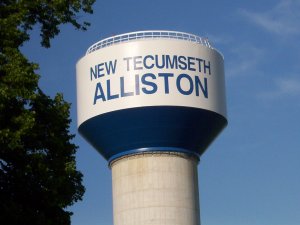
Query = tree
x=38 y=175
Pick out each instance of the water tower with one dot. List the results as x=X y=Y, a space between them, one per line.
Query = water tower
x=151 y=102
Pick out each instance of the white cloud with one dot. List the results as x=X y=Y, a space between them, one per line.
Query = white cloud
x=283 y=87
x=283 y=19
x=241 y=59
x=244 y=60
x=289 y=86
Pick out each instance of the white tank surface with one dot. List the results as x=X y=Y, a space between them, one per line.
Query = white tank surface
x=151 y=91
x=155 y=189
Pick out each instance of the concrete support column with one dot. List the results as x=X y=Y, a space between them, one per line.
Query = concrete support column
x=155 y=189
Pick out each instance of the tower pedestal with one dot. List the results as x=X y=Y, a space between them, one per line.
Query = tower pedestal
x=155 y=189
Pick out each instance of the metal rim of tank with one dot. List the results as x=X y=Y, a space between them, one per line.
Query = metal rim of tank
x=155 y=153
x=150 y=34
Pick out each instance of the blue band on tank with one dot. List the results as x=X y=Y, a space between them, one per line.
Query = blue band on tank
x=159 y=128
x=153 y=149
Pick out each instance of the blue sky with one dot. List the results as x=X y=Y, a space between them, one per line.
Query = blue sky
x=251 y=173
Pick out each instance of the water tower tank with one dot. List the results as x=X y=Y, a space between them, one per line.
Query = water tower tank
x=152 y=101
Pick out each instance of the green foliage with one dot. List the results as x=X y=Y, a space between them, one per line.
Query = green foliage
x=18 y=17
x=38 y=176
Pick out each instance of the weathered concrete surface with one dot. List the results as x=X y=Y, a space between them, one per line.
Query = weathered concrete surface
x=155 y=189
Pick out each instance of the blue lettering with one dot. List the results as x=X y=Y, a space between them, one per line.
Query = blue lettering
x=178 y=84
x=99 y=94
x=191 y=63
x=199 y=63
x=109 y=95
x=137 y=60
x=162 y=62
x=123 y=93
x=182 y=64
x=100 y=69
x=166 y=79
x=149 y=83
x=98 y=72
x=111 y=68
x=127 y=60
x=171 y=64
x=199 y=84
x=137 y=84
x=145 y=64
x=207 y=66
x=93 y=73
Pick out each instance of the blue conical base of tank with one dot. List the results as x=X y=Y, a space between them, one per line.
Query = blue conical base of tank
x=153 y=128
